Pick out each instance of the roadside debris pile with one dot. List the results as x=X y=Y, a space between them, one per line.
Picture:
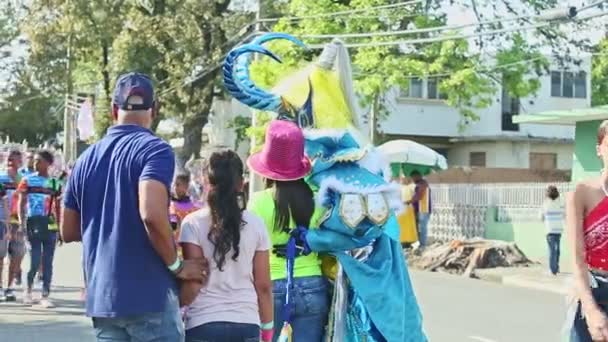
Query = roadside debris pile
x=464 y=256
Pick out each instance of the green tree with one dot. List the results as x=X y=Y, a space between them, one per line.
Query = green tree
x=180 y=43
x=27 y=113
x=599 y=80
x=468 y=75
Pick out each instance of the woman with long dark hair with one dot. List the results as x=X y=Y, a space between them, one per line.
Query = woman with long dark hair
x=236 y=304
x=288 y=203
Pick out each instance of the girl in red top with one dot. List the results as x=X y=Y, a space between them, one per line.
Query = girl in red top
x=587 y=222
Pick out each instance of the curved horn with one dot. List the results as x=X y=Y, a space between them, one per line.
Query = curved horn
x=238 y=80
x=249 y=94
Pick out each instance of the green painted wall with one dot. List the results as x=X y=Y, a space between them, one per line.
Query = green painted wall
x=530 y=237
x=585 y=162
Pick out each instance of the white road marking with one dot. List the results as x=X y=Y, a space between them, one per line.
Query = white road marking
x=481 y=339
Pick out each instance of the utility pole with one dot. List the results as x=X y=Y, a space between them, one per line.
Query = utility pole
x=68 y=122
x=255 y=181
x=373 y=119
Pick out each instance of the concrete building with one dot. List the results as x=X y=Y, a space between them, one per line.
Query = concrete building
x=494 y=141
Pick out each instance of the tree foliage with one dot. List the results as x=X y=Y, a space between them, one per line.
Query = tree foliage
x=179 y=43
x=599 y=81
x=469 y=71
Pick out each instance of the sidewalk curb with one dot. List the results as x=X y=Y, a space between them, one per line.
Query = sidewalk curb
x=524 y=282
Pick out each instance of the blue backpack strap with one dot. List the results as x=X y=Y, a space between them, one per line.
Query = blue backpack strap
x=298 y=235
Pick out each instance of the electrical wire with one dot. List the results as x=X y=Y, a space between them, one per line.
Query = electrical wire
x=452 y=37
x=595 y=4
x=435 y=29
x=413 y=31
x=343 y=13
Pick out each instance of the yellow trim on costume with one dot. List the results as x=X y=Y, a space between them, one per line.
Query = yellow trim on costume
x=329 y=104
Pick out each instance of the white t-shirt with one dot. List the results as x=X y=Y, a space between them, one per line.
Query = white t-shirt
x=552 y=212
x=230 y=295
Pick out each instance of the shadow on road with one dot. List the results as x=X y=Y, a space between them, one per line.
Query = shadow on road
x=48 y=330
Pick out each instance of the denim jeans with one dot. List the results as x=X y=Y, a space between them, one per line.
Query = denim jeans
x=42 y=250
x=166 y=326
x=311 y=307
x=224 y=332
x=553 y=241
x=580 y=330
x=423 y=223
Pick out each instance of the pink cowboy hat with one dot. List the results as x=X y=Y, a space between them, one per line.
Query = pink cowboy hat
x=282 y=158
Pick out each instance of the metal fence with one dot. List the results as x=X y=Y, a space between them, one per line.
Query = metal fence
x=459 y=210
x=496 y=194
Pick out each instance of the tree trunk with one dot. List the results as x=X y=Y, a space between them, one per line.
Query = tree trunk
x=193 y=126
x=105 y=53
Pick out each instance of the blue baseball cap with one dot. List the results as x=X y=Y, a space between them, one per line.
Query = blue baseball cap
x=133 y=84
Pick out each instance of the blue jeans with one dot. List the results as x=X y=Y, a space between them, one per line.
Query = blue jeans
x=553 y=241
x=224 y=332
x=166 y=326
x=423 y=224
x=309 y=318
x=42 y=250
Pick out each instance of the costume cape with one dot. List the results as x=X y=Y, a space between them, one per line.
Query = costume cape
x=373 y=298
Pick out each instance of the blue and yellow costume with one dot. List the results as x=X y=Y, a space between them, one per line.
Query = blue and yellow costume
x=373 y=299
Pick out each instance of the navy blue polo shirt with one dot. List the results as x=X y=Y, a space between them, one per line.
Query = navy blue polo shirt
x=124 y=274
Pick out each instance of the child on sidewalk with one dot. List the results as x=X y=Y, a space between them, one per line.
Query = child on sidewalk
x=181 y=203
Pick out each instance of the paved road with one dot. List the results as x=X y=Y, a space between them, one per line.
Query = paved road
x=466 y=310
x=454 y=309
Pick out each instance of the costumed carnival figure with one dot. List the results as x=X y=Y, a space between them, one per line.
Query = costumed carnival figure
x=373 y=299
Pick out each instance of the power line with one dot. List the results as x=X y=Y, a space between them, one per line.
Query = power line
x=595 y=4
x=342 y=13
x=548 y=16
x=413 y=31
x=452 y=37
x=480 y=69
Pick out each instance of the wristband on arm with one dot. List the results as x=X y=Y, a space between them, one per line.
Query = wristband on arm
x=267 y=334
x=176 y=267
x=267 y=326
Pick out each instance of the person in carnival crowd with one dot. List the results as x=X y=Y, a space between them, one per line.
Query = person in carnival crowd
x=372 y=299
x=9 y=179
x=38 y=194
x=236 y=304
x=181 y=202
x=5 y=216
x=56 y=184
x=116 y=202
x=552 y=213
x=287 y=204
x=587 y=224
x=29 y=164
x=422 y=206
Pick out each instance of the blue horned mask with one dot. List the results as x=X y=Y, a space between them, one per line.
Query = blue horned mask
x=237 y=80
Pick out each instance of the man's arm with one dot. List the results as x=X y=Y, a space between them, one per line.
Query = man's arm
x=69 y=228
x=420 y=189
x=153 y=209
x=22 y=200
x=69 y=225
x=153 y=193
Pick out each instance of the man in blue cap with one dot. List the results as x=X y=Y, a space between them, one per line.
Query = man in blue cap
x=130 y=260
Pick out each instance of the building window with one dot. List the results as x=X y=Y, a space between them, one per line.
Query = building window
x=415 y=88
x=543 y=161
x=477 y=159
x=580 y=85
x=510 y=108
x=432 y=89
x=556 y=83
x=569 y=84
x=424 y=89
